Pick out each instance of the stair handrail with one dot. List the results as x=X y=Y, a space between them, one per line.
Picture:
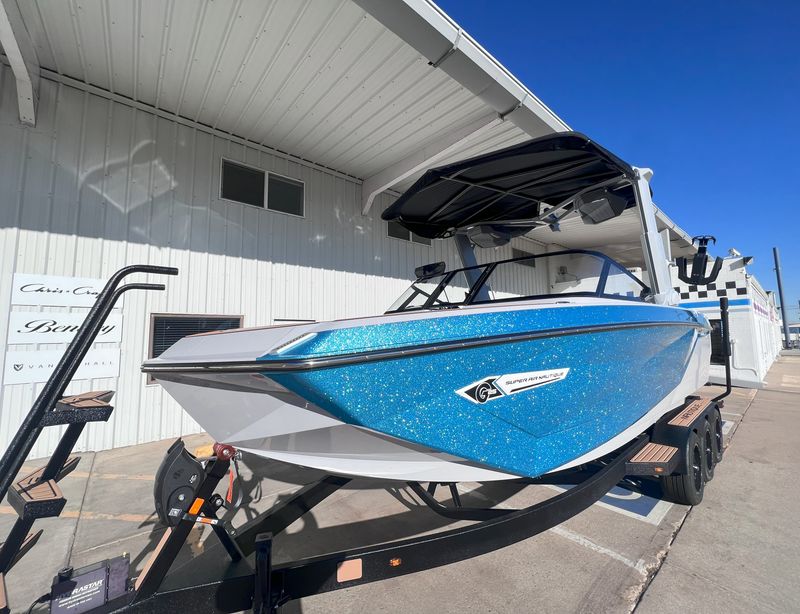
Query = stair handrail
x=62 y=375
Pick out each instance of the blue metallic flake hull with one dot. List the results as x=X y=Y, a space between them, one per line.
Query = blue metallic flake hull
x=460 y=325
x=615 y=378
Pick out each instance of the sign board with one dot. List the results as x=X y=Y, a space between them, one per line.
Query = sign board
x=52 y=290
x=36 y=366
x=40 y=327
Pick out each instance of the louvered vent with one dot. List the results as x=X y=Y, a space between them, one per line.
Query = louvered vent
x=168 y=329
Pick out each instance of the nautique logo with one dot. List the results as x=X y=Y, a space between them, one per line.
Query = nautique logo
x=495 y=386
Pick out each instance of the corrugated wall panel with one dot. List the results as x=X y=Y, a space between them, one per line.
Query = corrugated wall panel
x=97 y=185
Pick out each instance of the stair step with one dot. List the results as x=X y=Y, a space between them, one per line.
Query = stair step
x=29 y=542
x=653 y=459
x=689 y=413
x=36 y=499
x=81 y=408
x=36 y=476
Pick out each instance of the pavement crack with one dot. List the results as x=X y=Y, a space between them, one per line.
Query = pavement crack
x=115 y=541
x=661 y=557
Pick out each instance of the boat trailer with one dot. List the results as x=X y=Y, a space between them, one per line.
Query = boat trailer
x=238 y=572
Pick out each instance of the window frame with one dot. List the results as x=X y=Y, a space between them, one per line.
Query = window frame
x=267 y=174
x=289 y=179
x=151 y=329
x=522 y=255
x=411 y=236
x=222 y=162
x=485 y=272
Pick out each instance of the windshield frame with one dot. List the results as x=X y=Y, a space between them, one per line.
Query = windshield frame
x=485 y=274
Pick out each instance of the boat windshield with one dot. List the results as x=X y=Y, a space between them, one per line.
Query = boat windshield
x=566 y=273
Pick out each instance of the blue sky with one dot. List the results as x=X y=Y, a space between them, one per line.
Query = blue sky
x=707 y=94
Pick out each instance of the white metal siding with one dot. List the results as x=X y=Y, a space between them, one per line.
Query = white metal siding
x=98 y=185
x=319 y=78
x=754 y=327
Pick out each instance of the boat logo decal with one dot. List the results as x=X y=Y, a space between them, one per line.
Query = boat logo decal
x=496 y=386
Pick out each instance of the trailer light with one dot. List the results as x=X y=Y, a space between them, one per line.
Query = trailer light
x=196 y=506
x=395 y=562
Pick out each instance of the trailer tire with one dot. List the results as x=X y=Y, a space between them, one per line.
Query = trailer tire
x=709 y=458
x=716 y=429
x=687 y=488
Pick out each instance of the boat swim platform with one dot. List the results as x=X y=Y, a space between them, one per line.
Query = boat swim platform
x=629 y=550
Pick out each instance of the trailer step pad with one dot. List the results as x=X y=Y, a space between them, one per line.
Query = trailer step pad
x=653 y=459
x=36 y=476
x=94 y=398
x=81 y=408
x=690 y=413
x=29 y=542
x=37 y=499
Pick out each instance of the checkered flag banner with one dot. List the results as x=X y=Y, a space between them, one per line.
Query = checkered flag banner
x=714 y=290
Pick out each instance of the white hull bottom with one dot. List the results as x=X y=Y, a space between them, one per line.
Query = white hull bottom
x=256 y=415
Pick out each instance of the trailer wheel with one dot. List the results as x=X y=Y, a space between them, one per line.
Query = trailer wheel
x=716 y=429
x=707 y=438
x=687 y=488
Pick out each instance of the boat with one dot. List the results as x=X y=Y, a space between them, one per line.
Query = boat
x=480 y=373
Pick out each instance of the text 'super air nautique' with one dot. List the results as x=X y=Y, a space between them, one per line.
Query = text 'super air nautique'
x=492 y=371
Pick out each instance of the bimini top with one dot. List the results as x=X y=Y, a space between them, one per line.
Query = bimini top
x=518 y=188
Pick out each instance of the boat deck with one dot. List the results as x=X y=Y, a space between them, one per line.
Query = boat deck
x=630 y=550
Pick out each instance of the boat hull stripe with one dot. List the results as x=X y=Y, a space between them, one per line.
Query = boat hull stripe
x=308 y=364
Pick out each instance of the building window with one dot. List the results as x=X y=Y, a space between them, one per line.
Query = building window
x=717 y=347
x=397 y=231
x=285 y=195
x=248 y=185
x=242 y=184
x=518 y=253
x=168 y=328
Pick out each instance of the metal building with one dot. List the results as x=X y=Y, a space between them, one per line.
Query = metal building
x=754 y=321
x=117 y=124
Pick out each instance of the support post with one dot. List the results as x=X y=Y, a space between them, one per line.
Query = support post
x=784 y=309
x=726 y=346
x=467 y=254
x=262 y=591
x=652 y=243
x=21 y=53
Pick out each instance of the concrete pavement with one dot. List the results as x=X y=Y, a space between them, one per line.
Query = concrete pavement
x=739 y=551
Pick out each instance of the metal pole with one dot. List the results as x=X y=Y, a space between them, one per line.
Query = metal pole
x=784 y=310
x=726 y=346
